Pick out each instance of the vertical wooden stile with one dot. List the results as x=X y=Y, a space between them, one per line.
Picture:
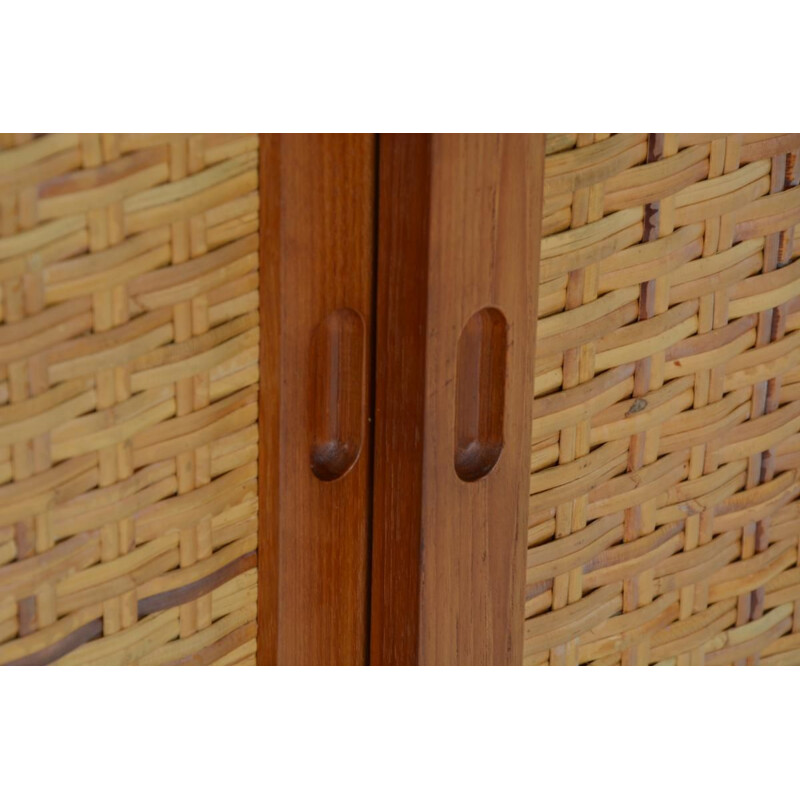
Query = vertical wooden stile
x=458 y=253
x=317 y=261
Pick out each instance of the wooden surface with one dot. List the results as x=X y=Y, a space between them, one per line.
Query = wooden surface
x=401 y=325
x=458 y=229
x=318 y=194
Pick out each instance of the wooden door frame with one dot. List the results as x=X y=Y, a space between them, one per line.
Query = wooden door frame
x=459 y=231
x=317 y=194
x=456 y=224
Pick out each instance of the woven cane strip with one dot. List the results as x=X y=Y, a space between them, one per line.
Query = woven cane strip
x=128 y=400
x=665 y=471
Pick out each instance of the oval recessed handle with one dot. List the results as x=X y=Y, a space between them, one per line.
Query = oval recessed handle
x=337 y=393
x=480 y=393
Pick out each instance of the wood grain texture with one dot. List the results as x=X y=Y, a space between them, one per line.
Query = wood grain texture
x=318 y=194
x=401 y=335
x=459 y=220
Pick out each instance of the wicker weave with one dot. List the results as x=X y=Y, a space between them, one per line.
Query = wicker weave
x=664 y=520
x=128 y=371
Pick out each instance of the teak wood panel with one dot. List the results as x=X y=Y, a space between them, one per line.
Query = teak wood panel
x=458 y=234
x=317 y=253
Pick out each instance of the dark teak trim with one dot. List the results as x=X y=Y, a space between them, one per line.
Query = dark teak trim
x=317 y=211
x=458 y=234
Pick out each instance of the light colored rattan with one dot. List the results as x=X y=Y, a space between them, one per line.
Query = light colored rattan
x=664 y=519
x=128 y=398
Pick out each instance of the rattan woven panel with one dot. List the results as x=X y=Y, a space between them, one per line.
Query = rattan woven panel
x=664 y=512
x=128 y=398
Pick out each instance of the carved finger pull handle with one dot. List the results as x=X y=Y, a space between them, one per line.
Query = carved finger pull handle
x=337 y=402
x=480 y=394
